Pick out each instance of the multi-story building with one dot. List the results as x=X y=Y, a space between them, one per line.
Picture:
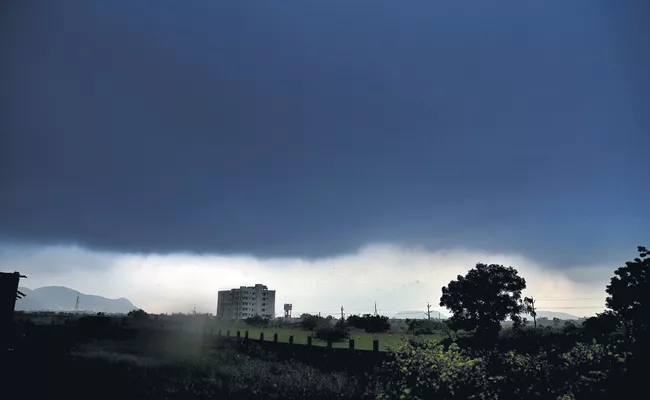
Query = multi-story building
x=247 y=301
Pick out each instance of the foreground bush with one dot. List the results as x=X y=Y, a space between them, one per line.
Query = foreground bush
x=113 y=370
x=431 y=370
x=428 y=370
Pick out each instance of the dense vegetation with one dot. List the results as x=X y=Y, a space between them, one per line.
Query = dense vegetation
x=602 y=359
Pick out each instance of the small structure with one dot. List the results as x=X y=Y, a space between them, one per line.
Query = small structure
x=287 y=310
x=9 y=293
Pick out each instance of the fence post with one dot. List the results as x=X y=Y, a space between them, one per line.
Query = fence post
x=228 y=333
x=308 y=340
x=261 y=336
x=290 y=339
x=329 y=343
x=275 y=338
x=351 y=344
x=375 y=345
x=246 y=334
x=238 y=334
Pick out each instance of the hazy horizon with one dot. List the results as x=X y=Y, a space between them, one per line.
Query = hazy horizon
x=397 y=278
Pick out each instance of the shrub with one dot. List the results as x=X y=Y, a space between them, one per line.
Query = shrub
x=428 y=370
x=370 y=323
x=330 y=333
x=426 y=327
x=257 y=321
x=431 y=370
x=311 y=322
x=336 y=333
x=138 y=314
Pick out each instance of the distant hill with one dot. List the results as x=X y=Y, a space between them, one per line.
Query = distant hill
x=434 y=314
x=554 y=314
x=418 y=315
x=60 y=298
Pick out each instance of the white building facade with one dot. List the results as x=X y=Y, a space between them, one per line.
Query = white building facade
x=247 y=301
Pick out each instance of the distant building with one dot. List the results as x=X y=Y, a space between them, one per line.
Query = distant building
x=247 y=301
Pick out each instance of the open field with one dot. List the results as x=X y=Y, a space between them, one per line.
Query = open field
x=363 y=340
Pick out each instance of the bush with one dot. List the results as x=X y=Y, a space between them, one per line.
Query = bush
x=428 y=370
x=336 y=333
x=370 y=323
x=330 y=333
x=257 y=321
x=426 y=327
x=311 y=322
x=138 y=314
x=431 y=370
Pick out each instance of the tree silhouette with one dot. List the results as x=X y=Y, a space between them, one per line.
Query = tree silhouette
x=485 y=297
x=311 y=322
x=601 y=326
x=629 y=296
x=370 y=323
x=529 y=308
x=138 y=314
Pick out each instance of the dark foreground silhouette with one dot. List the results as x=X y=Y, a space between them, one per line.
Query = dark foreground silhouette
x=66 y=361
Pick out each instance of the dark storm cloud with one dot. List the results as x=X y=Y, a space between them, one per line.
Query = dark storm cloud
x=314 y=128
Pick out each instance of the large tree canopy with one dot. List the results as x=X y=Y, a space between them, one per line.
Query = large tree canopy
x=485 y=297
x=629 y=295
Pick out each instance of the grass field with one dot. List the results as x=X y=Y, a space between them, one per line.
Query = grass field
x=362 y=340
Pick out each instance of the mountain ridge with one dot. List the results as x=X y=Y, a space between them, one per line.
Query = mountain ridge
x=61 y=298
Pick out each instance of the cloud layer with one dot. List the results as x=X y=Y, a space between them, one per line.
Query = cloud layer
x=397 y=278
x=312 y=129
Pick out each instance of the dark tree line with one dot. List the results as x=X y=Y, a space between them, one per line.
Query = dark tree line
x=370 y=323
x=488 y=294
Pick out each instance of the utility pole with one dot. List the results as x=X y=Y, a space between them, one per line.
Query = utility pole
x=429 y=311
x=76 y=304
x=342 y=315
x=375 y=308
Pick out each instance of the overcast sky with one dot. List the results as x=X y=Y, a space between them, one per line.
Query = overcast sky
x=338 y=151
